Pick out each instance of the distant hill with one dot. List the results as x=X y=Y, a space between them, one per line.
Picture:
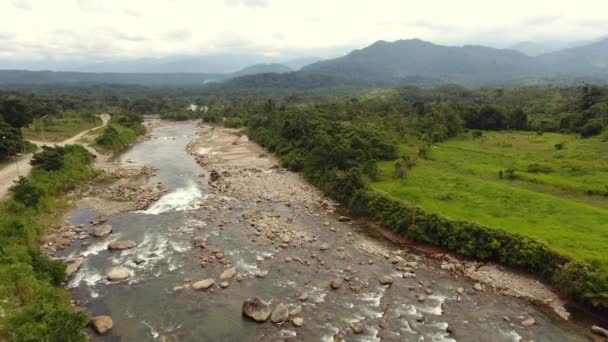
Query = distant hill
x=299 y=63
x=403 y=59
x=587 y=59
x=531 y=49
x=382 y=64
x=23 y=77
x=262 y=69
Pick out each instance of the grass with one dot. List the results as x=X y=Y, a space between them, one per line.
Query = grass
x=564 y=205
x=36 y=305
x=59 y=128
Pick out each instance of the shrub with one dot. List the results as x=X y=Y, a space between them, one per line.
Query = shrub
x=591 y=128
x=50 y=159
x=27 y=193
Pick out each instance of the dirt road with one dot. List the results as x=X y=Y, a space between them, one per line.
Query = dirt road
x=12 y=172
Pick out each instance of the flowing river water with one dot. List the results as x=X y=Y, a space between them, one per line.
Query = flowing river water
x=147 y=308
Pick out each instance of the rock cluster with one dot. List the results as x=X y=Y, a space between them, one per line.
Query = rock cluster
x=60 y=237
x=260 y=311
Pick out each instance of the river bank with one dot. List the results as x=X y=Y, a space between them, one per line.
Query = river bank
x=237 y=213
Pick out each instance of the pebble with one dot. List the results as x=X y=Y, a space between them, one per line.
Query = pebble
x=297 y=321
x=336 y=283
x=203 y=284
x=528 y=322
x=358 y=327
x=477 y=287
x=386 y=280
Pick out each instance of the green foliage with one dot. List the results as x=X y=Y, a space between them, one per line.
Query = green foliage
x=10 y=142
x=116 y=138
x=27 y=193
x=50 y=158
x=37 y=306
x=15 y=112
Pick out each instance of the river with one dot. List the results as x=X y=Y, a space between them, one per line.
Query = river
x=317 y=249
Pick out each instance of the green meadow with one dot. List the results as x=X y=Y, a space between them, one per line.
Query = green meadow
x=553 y=188
x=61 y=127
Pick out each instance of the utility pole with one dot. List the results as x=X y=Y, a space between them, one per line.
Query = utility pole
x=42 y=126
x=16 y=162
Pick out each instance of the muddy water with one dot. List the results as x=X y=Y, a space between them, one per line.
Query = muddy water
x=146 y=308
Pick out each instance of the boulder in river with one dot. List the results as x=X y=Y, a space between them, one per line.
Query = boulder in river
x=280 y=314
x=599 y=331
x=528 y=322
x=228 y=274
x=336 y=283
x=102 y=324
x=121 y=244
x=256 y=309
x=358 y=327
x=297 y=321
x=118 y=273
x=101 y=231
x=73 y=265
x=386 y=280
x=344 y=219
x=203 y=284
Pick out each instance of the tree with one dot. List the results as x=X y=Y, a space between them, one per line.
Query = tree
x=518 y=119
x=9 y=140
x=16 y=112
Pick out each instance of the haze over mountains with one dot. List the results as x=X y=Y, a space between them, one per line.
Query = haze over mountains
x=412 y=61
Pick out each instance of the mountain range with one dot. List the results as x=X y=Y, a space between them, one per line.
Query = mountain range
x=412 y=61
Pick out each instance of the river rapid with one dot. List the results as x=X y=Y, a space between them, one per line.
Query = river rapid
x=281 y=249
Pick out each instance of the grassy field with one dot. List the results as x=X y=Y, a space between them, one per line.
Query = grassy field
x=60 y=128
x=557 y=196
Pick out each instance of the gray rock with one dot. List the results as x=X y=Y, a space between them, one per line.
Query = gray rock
x=256 y=309
x=121 y=244
x=280 y=314
x=228 y=274
x=386 y=280
x=358 y=328
x=101 y=231
x=203 y=284
x=336 y=283
x=102 y=324
x=297 y=321
x=528 y=322
x=73 y=265
x=599 y=331
x=118 y=273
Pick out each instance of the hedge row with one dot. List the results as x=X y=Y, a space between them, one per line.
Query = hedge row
x=583 y=282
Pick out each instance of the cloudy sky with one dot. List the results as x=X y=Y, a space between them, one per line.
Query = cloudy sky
x=106 y=29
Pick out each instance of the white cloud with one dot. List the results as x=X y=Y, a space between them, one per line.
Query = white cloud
x=102 y=29
x=23 y=4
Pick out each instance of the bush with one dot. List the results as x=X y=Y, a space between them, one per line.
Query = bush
x=27 y=193
x=591 y=128
x=50 y=159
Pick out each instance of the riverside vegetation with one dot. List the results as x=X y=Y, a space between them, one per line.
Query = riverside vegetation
x=36 y=305
x=457 y=182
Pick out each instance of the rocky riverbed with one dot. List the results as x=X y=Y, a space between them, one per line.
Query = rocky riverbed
x=238 y=249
